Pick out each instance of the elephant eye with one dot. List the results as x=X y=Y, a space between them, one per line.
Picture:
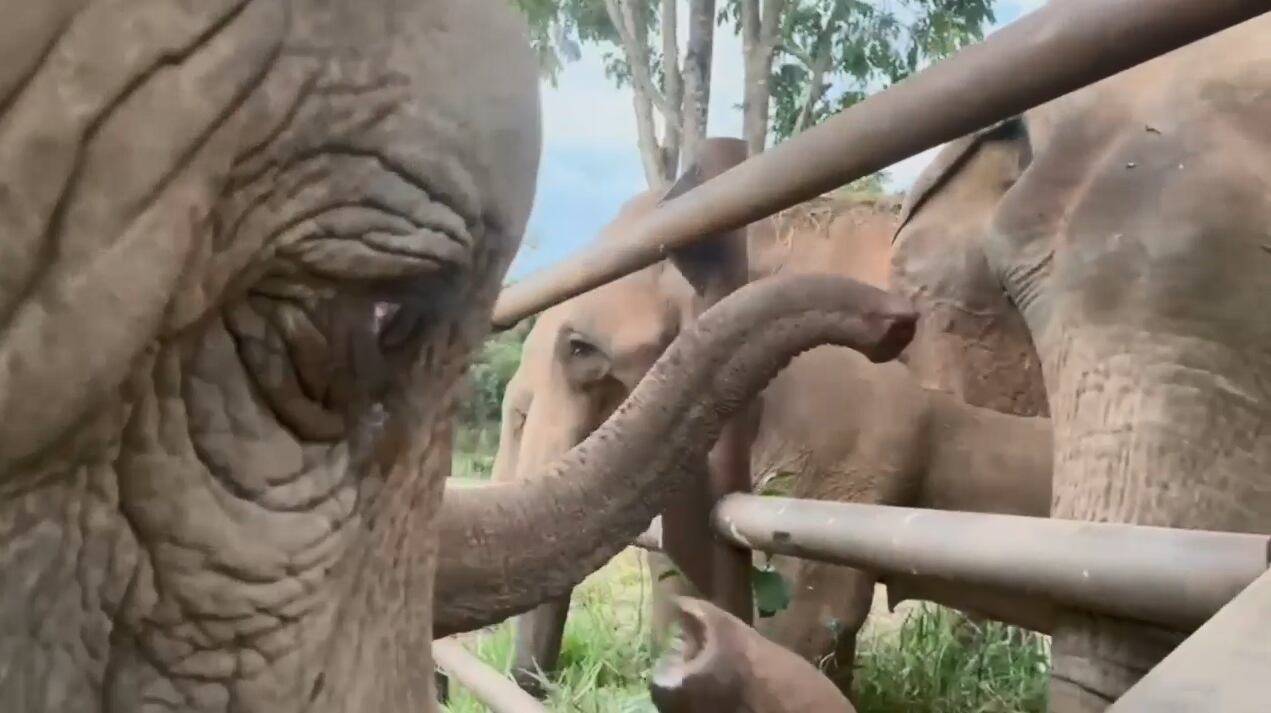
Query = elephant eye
x=580 y=348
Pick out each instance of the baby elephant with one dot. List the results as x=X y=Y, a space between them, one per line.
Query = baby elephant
x=718 y=663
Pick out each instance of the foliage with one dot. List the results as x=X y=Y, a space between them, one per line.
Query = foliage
x=830 y=53
x=488 y=377
x=941 y=663
x=771 y=591
x=559 y=27
x=480 y=409
x=930 y=664
x=868 y=45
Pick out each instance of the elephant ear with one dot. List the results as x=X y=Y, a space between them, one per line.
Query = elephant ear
x=954 y=156
x=715 y=260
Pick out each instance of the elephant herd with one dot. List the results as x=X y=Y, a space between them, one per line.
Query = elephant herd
x=249 y=248
x=1055 y=259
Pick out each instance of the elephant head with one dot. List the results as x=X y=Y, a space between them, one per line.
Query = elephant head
x=1126 y=224
x=249 y=247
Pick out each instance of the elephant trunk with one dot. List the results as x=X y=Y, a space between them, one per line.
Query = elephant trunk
x=507 y=547
x=720 y=664
x=1157 y=430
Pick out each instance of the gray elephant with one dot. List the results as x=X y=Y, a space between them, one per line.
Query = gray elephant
x=248 y=250
x=1125 y=228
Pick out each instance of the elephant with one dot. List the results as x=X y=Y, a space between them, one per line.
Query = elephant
x=225 y=421
x=848 y=430
x=1124 y=228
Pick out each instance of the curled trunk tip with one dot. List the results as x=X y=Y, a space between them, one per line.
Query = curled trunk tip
x=716 y=662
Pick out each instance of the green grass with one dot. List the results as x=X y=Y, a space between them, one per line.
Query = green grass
x=605 y=658
x=922 y=664
x=928 y=666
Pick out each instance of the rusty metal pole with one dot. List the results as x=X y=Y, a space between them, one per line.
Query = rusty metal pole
x=1176 y=578
x=1042 y=56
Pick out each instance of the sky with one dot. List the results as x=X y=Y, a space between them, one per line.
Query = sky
x=590 y=164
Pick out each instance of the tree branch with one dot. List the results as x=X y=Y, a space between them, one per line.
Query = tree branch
x=623 y=18
x=822 y=54
x=673 y=84
x=697 y=75
x=759 y=34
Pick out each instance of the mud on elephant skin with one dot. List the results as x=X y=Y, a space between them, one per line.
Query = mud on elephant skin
x=1125 y=228
x=244 y=266
x=718 y=663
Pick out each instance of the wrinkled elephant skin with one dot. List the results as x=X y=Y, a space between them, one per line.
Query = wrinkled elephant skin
x=720 y=664
x=1131 y=238
x=249 y=247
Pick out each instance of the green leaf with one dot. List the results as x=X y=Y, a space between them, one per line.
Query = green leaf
x=771 y=590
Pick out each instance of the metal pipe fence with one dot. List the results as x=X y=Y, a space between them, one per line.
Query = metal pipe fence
x=1177 y=578
x=1042 y=56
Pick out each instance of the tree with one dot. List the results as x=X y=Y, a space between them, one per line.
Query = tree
x=803 y=59
x=670 y=94
x=822 y=56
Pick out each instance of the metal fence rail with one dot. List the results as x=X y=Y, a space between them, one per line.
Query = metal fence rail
x=1162 y=575
x=498 y=693
x=1039 y=57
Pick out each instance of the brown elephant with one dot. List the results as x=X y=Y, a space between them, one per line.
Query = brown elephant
x=249 y=247
x=1125 y=226
x=849 y=430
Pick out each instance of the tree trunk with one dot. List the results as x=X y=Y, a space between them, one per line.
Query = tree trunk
x=659 y=162
x=821 y=56
x=672 y=87
x=697 y=76
x=759 y=44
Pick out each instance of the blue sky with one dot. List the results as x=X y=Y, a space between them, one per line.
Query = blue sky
x=591 y=166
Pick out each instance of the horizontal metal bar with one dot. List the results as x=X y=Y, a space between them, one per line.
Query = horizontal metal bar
x=1044 y=55
x=1172 y=577
x=1222 y=668
x=495 y=691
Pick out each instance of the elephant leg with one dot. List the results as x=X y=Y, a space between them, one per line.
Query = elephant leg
x=668 y=584
x=828 y=606
x=1095 y=660
x=537 y=635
